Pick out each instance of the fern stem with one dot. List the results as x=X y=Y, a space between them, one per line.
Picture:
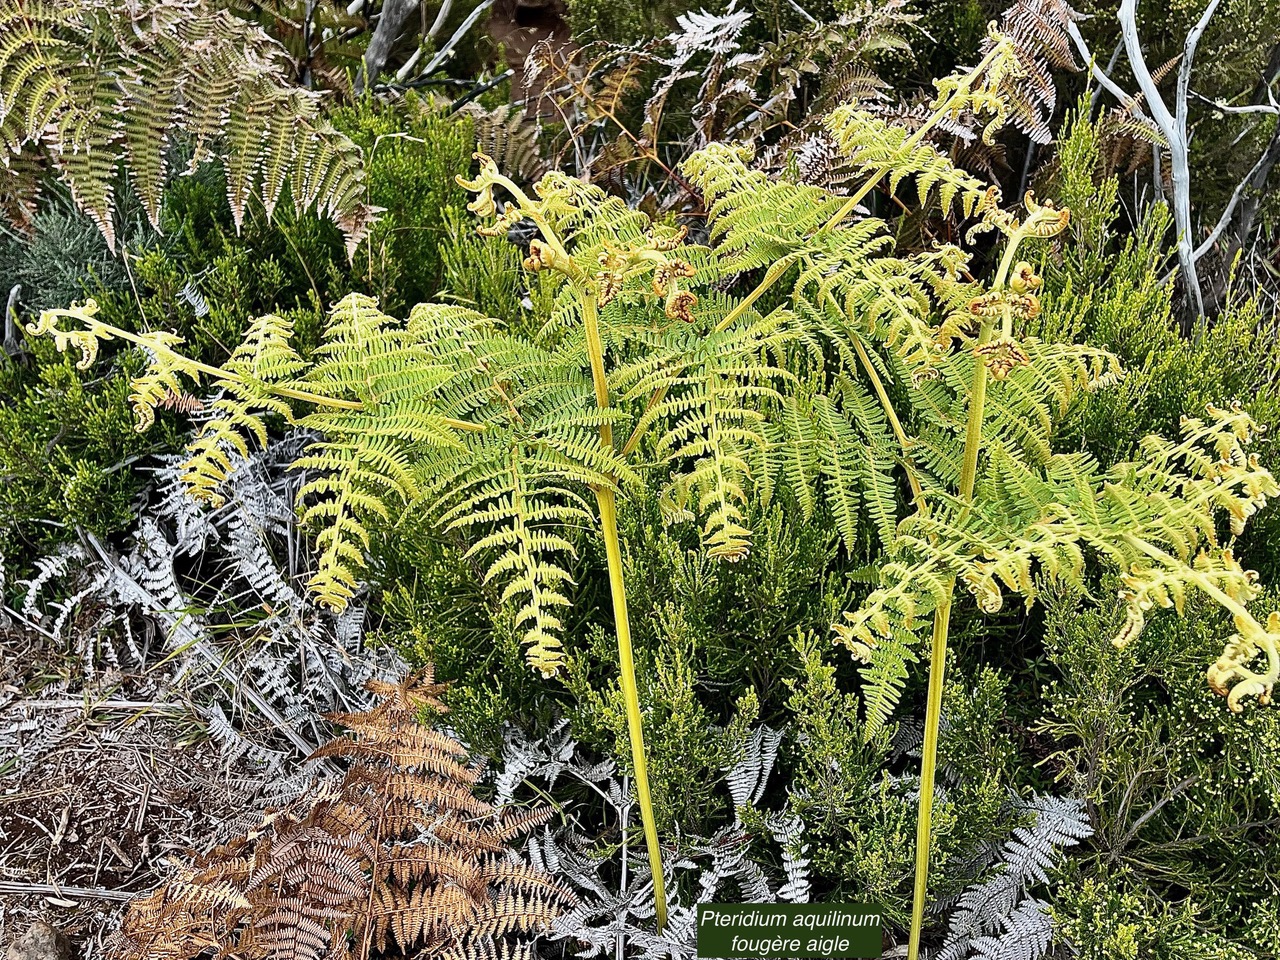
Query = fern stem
x=973 y=430
x=852 y=203
x=655 y=398
x=904 y=441
x=928 y=767
x=608 y=505
x=771 y=277
x=631 y=696
x=938 y=658
x=595 y=354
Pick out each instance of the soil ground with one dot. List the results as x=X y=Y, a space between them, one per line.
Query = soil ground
x=102 y=781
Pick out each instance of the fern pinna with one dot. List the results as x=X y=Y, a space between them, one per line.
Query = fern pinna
x=398 y=855
x=88 y=84
x=889 y=392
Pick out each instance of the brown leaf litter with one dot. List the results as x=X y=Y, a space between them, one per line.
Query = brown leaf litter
x=101 y=781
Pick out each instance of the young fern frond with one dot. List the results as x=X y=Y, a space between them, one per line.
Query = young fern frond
x=710 y=418
x=1154 y=519
x=264 y=357
x=164 y=375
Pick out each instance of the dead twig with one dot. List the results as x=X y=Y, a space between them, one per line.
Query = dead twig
x=15 y=889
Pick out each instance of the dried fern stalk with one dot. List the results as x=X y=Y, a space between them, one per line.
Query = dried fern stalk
x=399 y=856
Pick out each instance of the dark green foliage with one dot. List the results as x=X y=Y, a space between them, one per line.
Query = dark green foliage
x=67 y=449
x=485 y=274
x=687 y=743
x=951 y=31
x=714 y=644
x=1104 y=918
x=1184 y=797
x=740 y=616
x=621 y=22
x=413 y=153
x=856 y=795
x=64 y=251
x=430 y=603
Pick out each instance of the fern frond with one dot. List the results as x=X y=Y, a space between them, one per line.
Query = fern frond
x=514 y=494
x=757 y=221
x=996 y=918
x=1155 y=520
x=876 y=146
x=91 y=85
x=397 y=852
x=712 y=420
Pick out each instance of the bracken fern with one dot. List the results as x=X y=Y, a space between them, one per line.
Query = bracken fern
x=90 y=84
x=876 y=367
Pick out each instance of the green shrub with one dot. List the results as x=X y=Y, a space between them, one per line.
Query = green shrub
x=1184 y=796
x=67 y=450
x=1103 y=918
x=413 y=153
x=1111 y=291
x=856 y=795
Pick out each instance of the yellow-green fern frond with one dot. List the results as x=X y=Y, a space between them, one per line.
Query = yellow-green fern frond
x=372 y=359
x=360 y=478
x=757 y=221
x=89 y=85
x=1154 y=520
x=210 y=453
x=986 y=89
x=165 y=371
x=516 y=499
x=709 y=417
x=877 y=146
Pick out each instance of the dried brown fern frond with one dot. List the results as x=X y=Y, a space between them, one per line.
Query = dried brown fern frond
x=1038 y=31
x=1126 y=134
x=396 y=855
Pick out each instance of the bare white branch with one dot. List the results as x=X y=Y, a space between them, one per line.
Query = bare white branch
x=1173 y=126
x=1251 y=181
x=1085 y=55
